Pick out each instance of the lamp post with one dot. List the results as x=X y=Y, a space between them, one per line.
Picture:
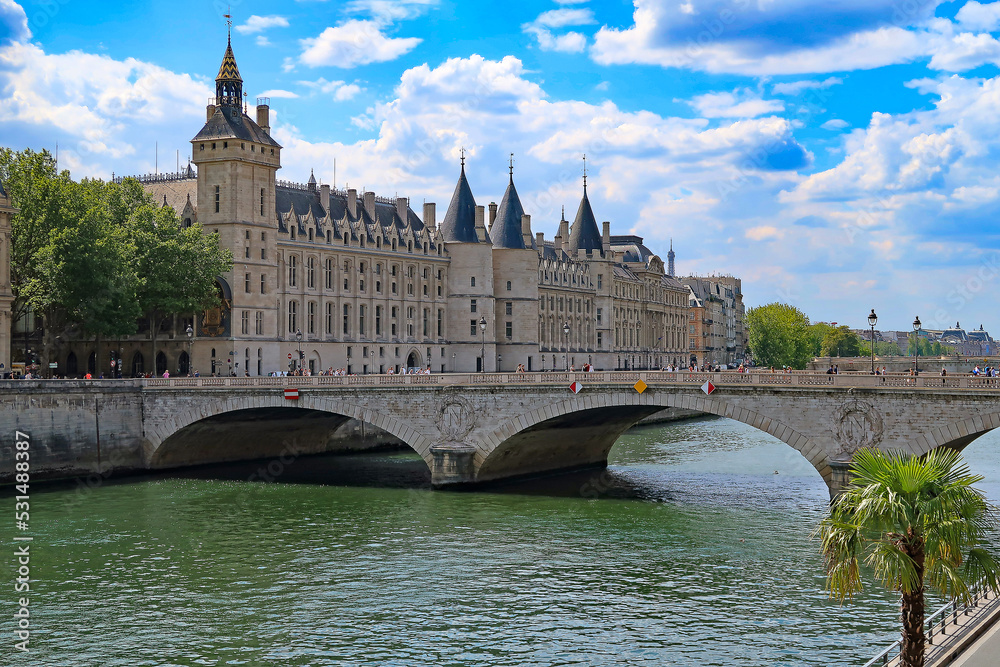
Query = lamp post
x=638 y=337
x=916 y=344
x=482 y=355
x=298 y=338
x=453 y=367
x=872 y=319
x=190 y=334
x=566 y=336
x=499 y=363
x=373 y=361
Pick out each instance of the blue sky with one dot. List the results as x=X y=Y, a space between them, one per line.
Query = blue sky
x=839 y=156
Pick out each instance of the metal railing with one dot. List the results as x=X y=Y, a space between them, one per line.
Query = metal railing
x=937 y=624
x=803 y=379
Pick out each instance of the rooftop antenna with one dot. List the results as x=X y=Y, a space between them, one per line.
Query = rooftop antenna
x=156 y=157
x=334 y=173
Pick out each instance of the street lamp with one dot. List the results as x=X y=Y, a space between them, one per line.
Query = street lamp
x=298 y=338
x=566 y=335
x=916 y=344
x=453 y=367
x=190 y=334
x=872 y=319
x=482 y=356
x=373 y=361
x=499 y=362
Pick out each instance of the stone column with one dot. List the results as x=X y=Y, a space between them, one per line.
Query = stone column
x=453 y=464
x=840 y=478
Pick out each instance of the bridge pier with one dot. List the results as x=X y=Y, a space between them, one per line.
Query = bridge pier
x=840 y=479
x=454 y=463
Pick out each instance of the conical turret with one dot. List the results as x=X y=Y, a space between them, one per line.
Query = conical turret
x=459 y=224
x=229 y=83
x=507 y=232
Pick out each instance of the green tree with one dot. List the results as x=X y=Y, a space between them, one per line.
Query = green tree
x=916 y=521
x=177 y=265
x=778 y=335
x=841 y=342
x=817 y=332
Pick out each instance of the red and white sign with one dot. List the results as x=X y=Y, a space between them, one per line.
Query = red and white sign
x=708 y=387
x=575 y=387
x=289 y=355
x=291 y=394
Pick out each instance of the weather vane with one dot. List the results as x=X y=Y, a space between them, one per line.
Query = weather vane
x=584 y=170
x=229 y=21
x=463 y=155
x=512 y=165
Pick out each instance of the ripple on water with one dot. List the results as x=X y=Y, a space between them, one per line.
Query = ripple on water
x=688 y=550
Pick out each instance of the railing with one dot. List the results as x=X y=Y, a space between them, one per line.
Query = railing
x=804 y=379
x=937 y=624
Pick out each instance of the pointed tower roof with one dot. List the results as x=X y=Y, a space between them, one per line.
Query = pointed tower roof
x=229 y=71
x=506 y=229
x=584 y=234
x=459 y=224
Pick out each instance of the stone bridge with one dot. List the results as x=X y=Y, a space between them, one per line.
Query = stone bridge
x=476 y=428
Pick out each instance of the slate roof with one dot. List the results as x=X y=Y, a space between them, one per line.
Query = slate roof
x=633 y=248
x=228 y=71
x=506 y=229
x=459 y=224
x=221 y=126
x=584 y=234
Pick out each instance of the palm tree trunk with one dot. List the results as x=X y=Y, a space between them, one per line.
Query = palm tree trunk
x=911 y=651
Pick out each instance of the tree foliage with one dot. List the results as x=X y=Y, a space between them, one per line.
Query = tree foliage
x=778 y=335
x=840 y=342
x=99 y=255
x=915 y=521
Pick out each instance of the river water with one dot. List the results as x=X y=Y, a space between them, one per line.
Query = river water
x=688 y=550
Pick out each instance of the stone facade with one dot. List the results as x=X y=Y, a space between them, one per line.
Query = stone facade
x=361 y=282
x=716 y=320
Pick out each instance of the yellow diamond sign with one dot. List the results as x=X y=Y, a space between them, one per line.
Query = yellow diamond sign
x=640 y=386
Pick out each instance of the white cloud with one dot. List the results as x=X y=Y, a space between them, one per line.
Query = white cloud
x=354 y=43
x=712 y=35
x=99 y=109
x=280 y=94
x=976 y=16
x=339 y=90
x=562 y=18
x=14 y=22
x=390 y=11
x=737 y=104
x=835 y=124
x=257 y=24
x=263 y=41
x=571 y=42
x=796 y=87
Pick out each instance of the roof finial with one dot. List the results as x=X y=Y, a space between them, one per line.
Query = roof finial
x=511 y=167
x=584 y=171
x=229 y=23
x=463 y=157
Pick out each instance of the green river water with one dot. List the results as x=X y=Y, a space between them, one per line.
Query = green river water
x=688 y=550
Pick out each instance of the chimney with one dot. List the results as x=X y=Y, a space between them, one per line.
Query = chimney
x=606 y=236
x=430 y=215
x=563 y=238
x=352 y=203
x=540 y=240
x=264 y=117
x=493 y=213
x=526 y=230
x=370 y=204
x=401 y=209
x=324 y=196
x=210 y=112
x=481 y=223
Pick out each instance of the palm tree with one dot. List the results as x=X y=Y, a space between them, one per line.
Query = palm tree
x=914 y=521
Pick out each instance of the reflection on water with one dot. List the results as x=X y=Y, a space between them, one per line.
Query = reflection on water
x=687 y=550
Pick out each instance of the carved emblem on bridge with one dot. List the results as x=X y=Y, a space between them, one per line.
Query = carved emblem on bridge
x=859 y=426
x=456 y=418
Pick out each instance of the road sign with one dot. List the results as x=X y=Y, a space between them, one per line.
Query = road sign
x=640 y=386
x=291 y=394
x=53 y=364
x=708 y=387
x=575 y=387
x=289 y=355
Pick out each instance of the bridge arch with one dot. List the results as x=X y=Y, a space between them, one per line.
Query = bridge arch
x=593 y=423
x=957 y=435
x=226 y=428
